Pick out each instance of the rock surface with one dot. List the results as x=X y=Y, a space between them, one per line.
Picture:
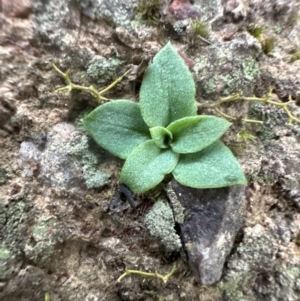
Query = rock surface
x=65 y=161
x=212 y=220
x=57 y=240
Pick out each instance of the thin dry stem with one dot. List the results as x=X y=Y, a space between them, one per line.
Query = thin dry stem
x=98 y=95
x=266 y=99
x=146 y=274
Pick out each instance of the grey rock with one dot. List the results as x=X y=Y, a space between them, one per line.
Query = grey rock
x=29 y=157
x=30 y=281
x=57 y=167
x=280 y=163
x=122 y=199
x=229 y=68
x=113 y=11
x=212 y=220
x=258 y=259
x=209 y=10
x=66 y=161
x=295 y=196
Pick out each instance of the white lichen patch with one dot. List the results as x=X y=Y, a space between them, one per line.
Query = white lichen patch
x=160 y=223
x=178 y=209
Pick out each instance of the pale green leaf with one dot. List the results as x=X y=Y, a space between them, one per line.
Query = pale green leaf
x=118 y=127
x=192 y=134
x=161 y=136
x=212 y=167
x=168 y=89
x=146 y=166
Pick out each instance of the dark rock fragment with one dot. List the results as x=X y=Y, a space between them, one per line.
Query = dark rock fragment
x=212 y=219
x=122 y=199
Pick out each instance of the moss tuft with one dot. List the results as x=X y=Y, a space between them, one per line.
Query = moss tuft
x=149 y=11
x=200 y=29
x=255 y=30
x=267 y=44
x=295 y=56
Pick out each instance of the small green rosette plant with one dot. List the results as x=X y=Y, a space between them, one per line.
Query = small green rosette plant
x=163 y=134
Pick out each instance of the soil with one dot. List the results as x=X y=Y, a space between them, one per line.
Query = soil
x=60 y=240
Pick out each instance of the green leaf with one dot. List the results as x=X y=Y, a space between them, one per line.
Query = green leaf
x=161 y=136
x=214 y=166
x=146 y=166
x=168 y=89
x=118 y=127
x=192 y=134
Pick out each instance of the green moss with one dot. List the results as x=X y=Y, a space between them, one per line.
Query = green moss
x=13 y=230
x=233 y=291
x=200 y=29
x=241 y=143
x=255 y=30
x=5 y=255
x=44 y=242
x=41 y=230
x=101 y=70
x=3 y=176
x=245 y=135
x=233 y=288
x=149 y=11
x=295 y=56
x=267 y=44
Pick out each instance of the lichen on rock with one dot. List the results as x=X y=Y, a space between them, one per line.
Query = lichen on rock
x=79 y=149
x=102 y=70
x=66 y=161
x=160 y=223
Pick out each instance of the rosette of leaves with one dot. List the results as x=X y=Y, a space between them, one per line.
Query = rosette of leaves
x=163 y=134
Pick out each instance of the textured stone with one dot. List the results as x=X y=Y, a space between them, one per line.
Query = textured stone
x=230 y=68
x=29 y=157
x=66 y=162
x=212 y=219
x=17 y=8
x=183 y=9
